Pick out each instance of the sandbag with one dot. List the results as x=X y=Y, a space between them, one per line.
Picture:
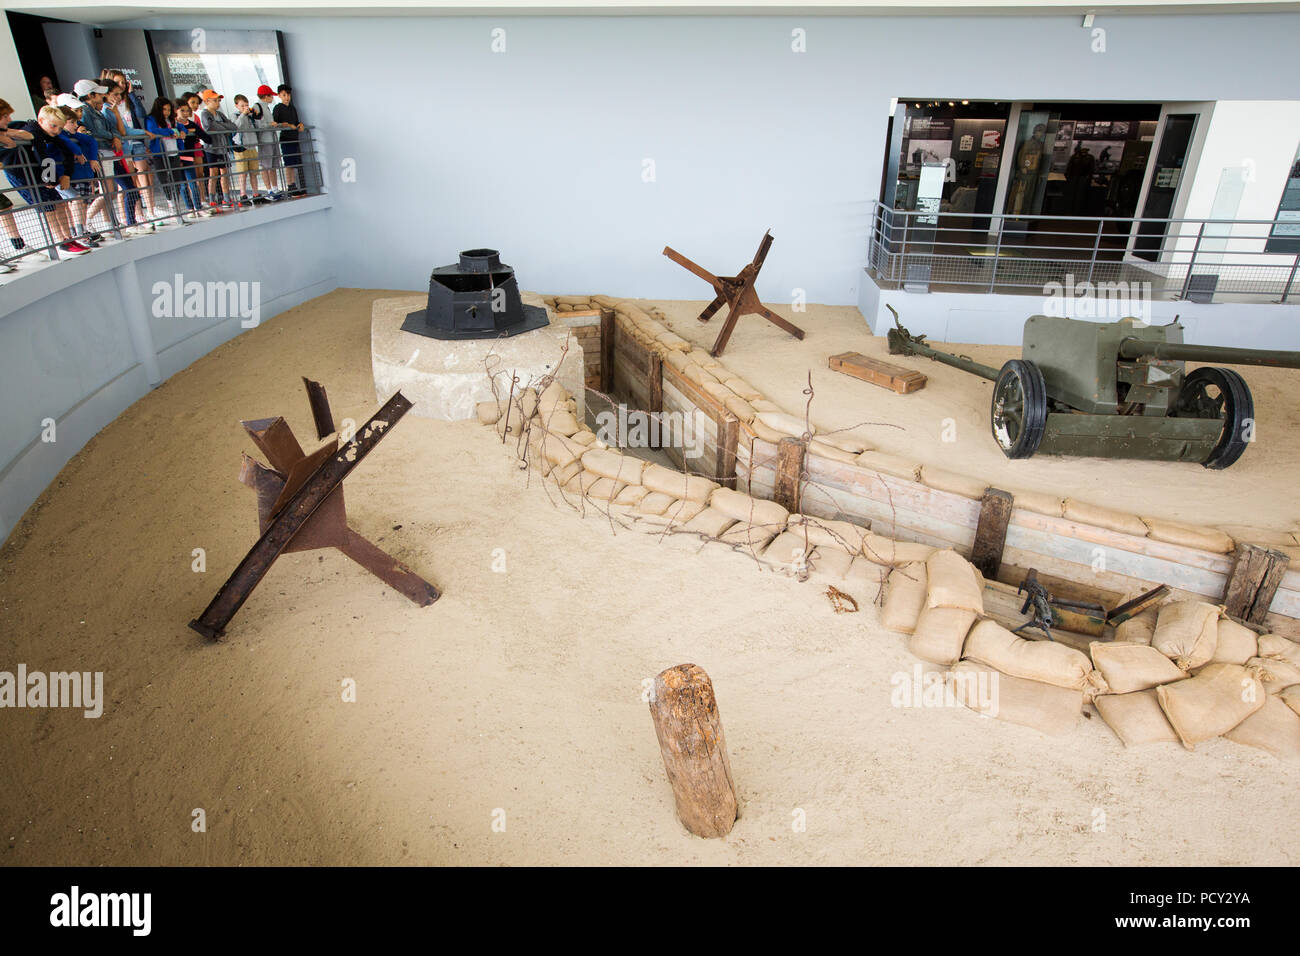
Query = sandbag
x=1188 y=536
x=763 y=405
x=552 y=396
x=742 y=507
x=1038 y=502
x=584 y=437
x=1210 y=704
x=1186 y=632
x=1129 y=667
x=673 y=341
x=678 y=513
x=487 y=412
x=888 y=464
x=750 y=536
x=677 y=360
x=1235 y=643
x=742 y=388
x=940 y=633
x=697 y=374
x=829 y=533
x=622 y=468
x=511 y=422
x=833 y=563
x=1277 y=646
x=740 y=408
x=1275 y=727
x=818 y=447
x=710 y=522
x=1264 y=537
x=845 y=443
x=678 y=483
x=655 y=503
x=718 y=391
x=560 y=421
x=1100 y=517
x=953 y=583
x=1044 y=707
x=789 y=425
x=990 y=643
x=1140 y=628
x=1136 y=718
x=560 y=451
x=881 y=550
x=631 y=495
x=770 y=435
x=563 y=474
x=789 y=552
x=953 y=482
x=904 y=597
x=1291 y=697
x=527 y=399
x=602 y=488
x=1274 y=673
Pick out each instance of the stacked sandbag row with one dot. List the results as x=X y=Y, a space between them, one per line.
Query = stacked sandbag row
x=569 y=303
x=1184 y=673
x=939 y=604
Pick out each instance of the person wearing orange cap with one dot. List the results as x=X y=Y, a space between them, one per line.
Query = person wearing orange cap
x=216 y=154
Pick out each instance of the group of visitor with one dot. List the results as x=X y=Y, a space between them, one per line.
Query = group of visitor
x=98 y=160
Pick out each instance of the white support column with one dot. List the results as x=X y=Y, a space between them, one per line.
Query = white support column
x=1005 y=167
x=137 y=321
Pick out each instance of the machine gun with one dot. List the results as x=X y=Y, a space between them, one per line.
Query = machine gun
x=1113 y=390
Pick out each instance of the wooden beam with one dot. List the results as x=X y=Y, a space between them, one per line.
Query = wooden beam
x=991 y=532
x=789 y=473
x=655 y=382
x=607 y=351
x=694 y=749
x=885 y=374
x=1253 y=582
x=728 y=442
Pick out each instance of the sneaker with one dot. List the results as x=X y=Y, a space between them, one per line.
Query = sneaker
x=260 y=201
x=6 y=267
x=245 y=201
x=87 y=241
x=94 y=237
x=205 y=213
x=73 y=248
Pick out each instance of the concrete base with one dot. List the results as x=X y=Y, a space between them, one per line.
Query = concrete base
x=447 y=379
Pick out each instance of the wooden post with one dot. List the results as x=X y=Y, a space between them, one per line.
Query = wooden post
x=607 y=351
x=1253 y=581
x=728 y=439
x=789 y=472
x=686 y=720
x=991 y=532
x=655 y=383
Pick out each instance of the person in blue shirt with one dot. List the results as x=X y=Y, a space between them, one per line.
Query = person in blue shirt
x=163 y=150
x=135 y=177
x=47 y=175
x=84 y=174
x=12 y=139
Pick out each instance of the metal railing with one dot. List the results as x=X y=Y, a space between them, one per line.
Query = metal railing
x=1194 y=259
x=115 y=198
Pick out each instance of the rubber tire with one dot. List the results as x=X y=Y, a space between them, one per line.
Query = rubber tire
x=1239 y=407
x=1034 y=424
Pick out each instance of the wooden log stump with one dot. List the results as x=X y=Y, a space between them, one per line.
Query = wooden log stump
x=689 y=728
x=991 y=532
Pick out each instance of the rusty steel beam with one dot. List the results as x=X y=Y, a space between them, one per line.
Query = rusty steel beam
x=295 y=513
x=320 y=408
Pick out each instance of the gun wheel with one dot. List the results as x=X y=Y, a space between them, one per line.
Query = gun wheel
x=1018 y=414
x=1223 y=394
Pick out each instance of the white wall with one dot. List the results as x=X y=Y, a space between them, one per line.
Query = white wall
x=13 y=87
x=83 y=356
x=538 y=151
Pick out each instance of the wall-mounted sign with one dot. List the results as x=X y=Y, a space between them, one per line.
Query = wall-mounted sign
x=1167 y=177
x=991 y=139
x=966 y=143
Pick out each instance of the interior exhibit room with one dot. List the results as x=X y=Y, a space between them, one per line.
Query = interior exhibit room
x=425 y=427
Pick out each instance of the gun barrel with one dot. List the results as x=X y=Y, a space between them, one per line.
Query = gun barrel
x=1132 y=348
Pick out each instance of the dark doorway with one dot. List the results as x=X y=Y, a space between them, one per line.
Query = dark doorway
x=1170 y=159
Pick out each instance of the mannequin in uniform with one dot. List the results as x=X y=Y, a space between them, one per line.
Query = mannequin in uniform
x=1027 y=162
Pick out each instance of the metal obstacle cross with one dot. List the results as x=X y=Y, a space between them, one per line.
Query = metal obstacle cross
x=300 y=506
x=737 y=293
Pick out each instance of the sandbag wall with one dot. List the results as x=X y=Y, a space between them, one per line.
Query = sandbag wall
x=582 y=316
x=653 y=368
x=1179 y=673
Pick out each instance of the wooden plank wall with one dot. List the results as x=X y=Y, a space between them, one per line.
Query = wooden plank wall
x=1090 y=556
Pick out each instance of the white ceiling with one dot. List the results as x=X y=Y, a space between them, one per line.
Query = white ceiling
x=89 y=11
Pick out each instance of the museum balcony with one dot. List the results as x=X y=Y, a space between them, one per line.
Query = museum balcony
x=1194 y=260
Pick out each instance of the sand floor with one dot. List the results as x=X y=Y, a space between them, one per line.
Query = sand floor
x=518 y=691
x=1259 y=490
